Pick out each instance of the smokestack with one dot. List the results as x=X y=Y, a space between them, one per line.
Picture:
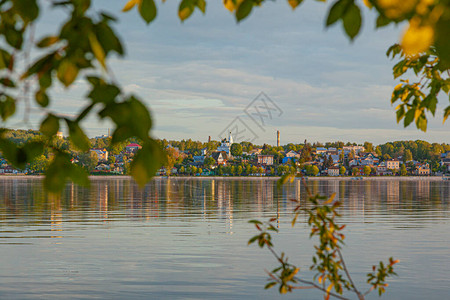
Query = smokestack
x=209 y=139
x=278 y=138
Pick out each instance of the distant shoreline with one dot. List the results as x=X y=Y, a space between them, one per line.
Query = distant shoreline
x=322 y=178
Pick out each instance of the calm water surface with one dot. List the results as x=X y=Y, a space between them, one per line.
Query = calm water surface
x=187 y=238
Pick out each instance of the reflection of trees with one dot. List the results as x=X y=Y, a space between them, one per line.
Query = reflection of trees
x=220 y=199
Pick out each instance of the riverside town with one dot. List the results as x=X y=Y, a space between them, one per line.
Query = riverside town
x=228 y=158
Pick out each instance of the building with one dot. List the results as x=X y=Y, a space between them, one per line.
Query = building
x=220 y=157
x=265 y=160
x=225 y=146
x=292 y=154
x=102 y=154
x=356 y=149
x=423 y=170
x=393 y=164
x=132 y=147
x=333 y=171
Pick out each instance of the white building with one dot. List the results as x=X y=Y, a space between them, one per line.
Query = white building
x=226 y=144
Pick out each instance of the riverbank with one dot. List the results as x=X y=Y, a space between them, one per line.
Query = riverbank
x=321 y=178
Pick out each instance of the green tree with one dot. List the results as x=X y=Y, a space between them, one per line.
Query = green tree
x=239 y=170
x=368 y=147
x=88 y=160
x=236 y=149
x=248 y=169
x=403 y=170
x=355 y=171
x=260 y=170
x=342 y=170
x=314 y=170
x=408 y=155
x=111 y=159
x=208 y=162
x=182 y=170
x=367 y=170
x=39 y=165
x=254 y=169
x=194 y=170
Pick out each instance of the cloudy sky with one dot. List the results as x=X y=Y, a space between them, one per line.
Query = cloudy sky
x=197 y=77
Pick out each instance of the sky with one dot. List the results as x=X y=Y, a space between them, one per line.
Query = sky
x=282 y=67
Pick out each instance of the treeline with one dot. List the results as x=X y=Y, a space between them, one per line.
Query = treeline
x=409 y=150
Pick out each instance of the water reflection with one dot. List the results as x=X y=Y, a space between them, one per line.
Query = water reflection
x=221 y=199
x=169 y=240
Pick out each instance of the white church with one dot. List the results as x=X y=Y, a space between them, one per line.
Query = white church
x=226 y=144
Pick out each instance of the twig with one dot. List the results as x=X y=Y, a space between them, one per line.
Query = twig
x=348 y=274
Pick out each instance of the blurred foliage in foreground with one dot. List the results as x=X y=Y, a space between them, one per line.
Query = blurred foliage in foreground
x=81 y=45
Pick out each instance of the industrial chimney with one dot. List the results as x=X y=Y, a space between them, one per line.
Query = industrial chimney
x=278 y=138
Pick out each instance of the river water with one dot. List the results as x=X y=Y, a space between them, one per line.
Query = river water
x=187 y=238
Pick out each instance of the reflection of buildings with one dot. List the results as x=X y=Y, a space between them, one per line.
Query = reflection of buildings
x=225 y=201
x=392 y=191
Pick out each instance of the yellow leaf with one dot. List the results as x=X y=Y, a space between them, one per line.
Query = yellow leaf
x=367 y=3
x=97 y=49
x=330 y=199
x=130 y=4
x=229 y=5
x=294 y=3
x=396 y=9
x=67 y=72
x=417 y=38
x=329 y=289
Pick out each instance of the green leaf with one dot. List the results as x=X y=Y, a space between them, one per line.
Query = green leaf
x=104 y=93
x=44 y=63
x=131 y=117
x=409 y=117
x=201 y=4
x=442 y=41
x=5 y=81
x=352 y=21
x=61 y=169
x=337 y=11
x=147 y=9
x=33 y=149
x=244 y=9
x=108 y=39
x=57 y=173
x=97 y=49
x=79 y=175
x=382 y=21
x=47 y=41
x=13 y=37
x=5 y=60
x=27 y=9
x=7 y=107
x=269 y=285
x=146 y=162
x=446 y=113
x=50 y=125
x=400 y=113
x=67 y=72
x=42 y=98
x=421 y=122
x=9 y=150
x=77 y=136
x=185 y=9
